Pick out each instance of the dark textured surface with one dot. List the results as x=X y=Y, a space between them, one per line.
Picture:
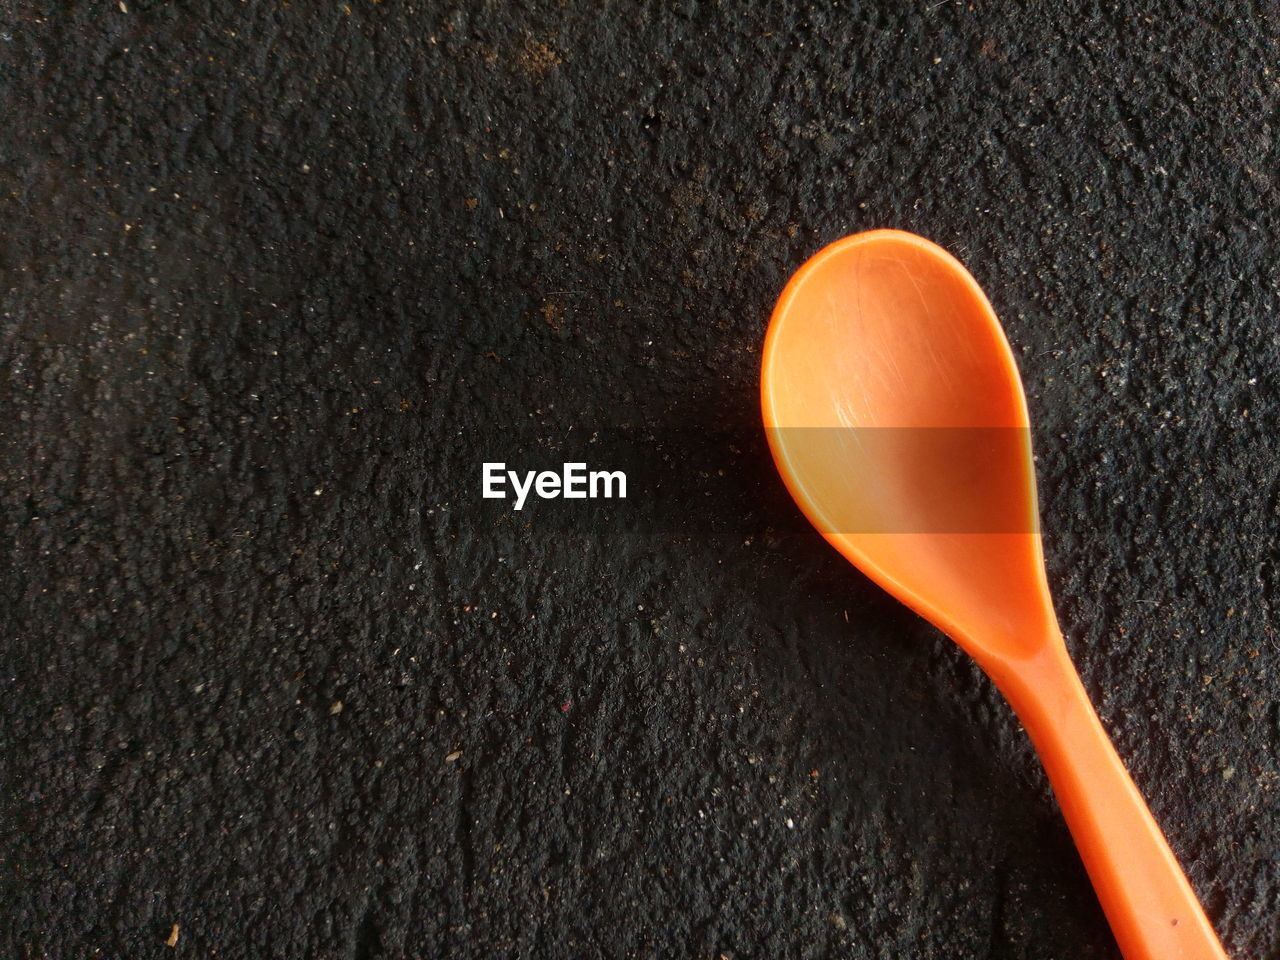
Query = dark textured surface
x=274 y=274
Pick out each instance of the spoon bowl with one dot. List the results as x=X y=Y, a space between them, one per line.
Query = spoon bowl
x=897 y=419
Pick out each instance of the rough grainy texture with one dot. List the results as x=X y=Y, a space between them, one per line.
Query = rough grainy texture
x=274 y=274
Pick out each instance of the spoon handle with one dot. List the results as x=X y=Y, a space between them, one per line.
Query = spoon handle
x=1148 y=901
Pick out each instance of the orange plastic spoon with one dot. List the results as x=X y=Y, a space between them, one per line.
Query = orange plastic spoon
x=896 y=416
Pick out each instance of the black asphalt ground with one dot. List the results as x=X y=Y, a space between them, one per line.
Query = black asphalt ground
x=276 y=278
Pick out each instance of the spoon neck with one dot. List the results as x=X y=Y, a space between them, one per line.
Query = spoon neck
x=1045 y=691
x=1031 y=668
